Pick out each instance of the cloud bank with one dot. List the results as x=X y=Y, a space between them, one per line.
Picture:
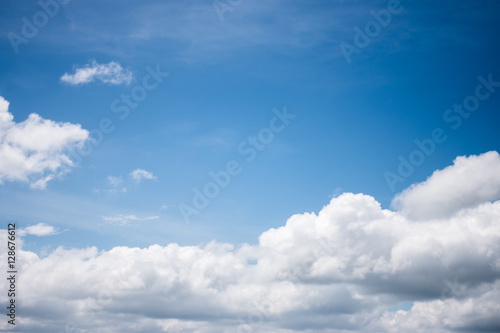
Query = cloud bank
x=351 y=267
x=111 y=73
x=32 y=151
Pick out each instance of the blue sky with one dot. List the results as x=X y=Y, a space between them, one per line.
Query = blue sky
x=353 y=117
x=353 y=120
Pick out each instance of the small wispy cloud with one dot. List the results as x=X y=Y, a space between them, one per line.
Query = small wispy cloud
x=119 y=185
x=211 y=141
x=111 y=73
x=115 y=181
x=139 y=174
x=115 y=187
x=338 y=191
x=40 y=229
x=110 y=190
x=41 y=183
x=120 y=219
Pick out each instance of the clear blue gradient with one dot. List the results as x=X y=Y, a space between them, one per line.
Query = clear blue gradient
x=352 y=121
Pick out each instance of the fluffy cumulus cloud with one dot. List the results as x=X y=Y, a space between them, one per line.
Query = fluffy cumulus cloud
x=111 y=73
x=351 y=267
x=33 y=150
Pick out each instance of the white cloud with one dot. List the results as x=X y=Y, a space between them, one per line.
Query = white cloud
x=111 y=73
x=40 y=229
x=126 y=219
x=474 y=314
x=139 y=174
x=342 y=269
x=468 y=182
x=33 y=150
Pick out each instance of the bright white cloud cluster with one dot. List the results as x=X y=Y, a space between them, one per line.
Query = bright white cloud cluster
x=340 y=270
x=111 y=73
x=139 y=174
x=469 y=181
x=33 y=150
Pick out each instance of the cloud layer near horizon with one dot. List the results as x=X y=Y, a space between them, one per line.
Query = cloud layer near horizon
x=346 y=268
x=33 y=150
